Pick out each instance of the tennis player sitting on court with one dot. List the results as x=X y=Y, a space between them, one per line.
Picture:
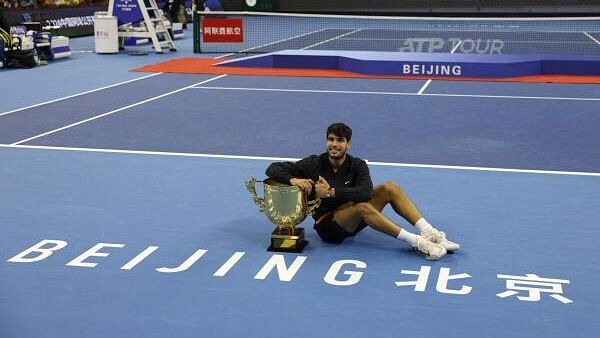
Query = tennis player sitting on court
x=348 y=201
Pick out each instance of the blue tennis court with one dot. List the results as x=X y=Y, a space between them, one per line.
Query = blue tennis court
x=125 y=213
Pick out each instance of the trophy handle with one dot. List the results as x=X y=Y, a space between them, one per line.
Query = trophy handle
x=313 y=205
x=260 y=201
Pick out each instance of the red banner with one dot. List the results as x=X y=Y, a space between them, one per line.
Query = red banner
x=222 y=30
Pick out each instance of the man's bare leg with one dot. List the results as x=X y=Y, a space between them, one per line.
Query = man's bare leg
x=399 y=201
x=349 y=216
x=404 y=207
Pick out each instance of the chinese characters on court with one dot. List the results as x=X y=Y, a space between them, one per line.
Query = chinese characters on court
x=528 y=288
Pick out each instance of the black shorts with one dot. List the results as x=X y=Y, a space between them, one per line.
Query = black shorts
x=331 y=232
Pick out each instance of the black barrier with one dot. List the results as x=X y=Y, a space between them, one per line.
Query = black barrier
x=555 y=7
x=71 y=22
x=260 y=5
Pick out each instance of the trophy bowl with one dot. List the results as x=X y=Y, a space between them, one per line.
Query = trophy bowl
x=286 y=206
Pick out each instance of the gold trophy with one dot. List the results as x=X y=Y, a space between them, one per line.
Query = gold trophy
x=286 y=206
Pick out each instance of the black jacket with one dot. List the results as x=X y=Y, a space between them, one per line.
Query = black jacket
x=352 y=182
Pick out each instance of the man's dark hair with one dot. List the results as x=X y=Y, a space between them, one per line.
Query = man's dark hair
x=340 y=130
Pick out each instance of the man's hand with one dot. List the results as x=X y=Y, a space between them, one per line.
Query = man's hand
x=303 y=183
x=322 y=188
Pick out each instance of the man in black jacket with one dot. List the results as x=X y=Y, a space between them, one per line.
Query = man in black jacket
x=171 y=9
x=349 y=202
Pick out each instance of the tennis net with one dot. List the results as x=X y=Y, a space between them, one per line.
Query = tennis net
x=253 y=32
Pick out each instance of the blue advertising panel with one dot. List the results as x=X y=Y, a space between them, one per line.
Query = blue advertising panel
x=127 y=11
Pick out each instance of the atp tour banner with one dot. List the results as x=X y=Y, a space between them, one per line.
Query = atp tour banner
x=415 y=6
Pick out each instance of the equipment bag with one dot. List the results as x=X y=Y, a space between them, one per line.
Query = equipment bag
x=2 y=56
x=5 y=44
x=20 y=58
x=17 y=58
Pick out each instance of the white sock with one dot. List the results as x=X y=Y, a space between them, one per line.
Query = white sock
x=408 y=237
x=423 y=226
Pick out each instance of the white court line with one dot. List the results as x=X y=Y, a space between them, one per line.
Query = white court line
x=422 y=90
x=223 y=56
x=591 y=37
x=329 y=40
x=271 y=43
x=424 y=87
x=505 y=40
x=266 y=158
x=117 y=110
x=282 y=40
x=79 y=94
x=143 y=152
x=400 y=93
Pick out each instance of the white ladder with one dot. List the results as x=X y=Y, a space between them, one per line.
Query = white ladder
x=155 y=28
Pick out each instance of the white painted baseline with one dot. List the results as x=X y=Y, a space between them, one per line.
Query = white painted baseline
x=272 y=159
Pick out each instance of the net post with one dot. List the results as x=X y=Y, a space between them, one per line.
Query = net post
x=196 y=24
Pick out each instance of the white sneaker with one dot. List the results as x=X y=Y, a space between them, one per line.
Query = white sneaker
x=431 y=250
x=439 y=237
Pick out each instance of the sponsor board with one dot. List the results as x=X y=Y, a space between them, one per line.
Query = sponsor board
x=66 y=21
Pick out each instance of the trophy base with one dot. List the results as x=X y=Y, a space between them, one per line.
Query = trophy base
x=286 y=240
